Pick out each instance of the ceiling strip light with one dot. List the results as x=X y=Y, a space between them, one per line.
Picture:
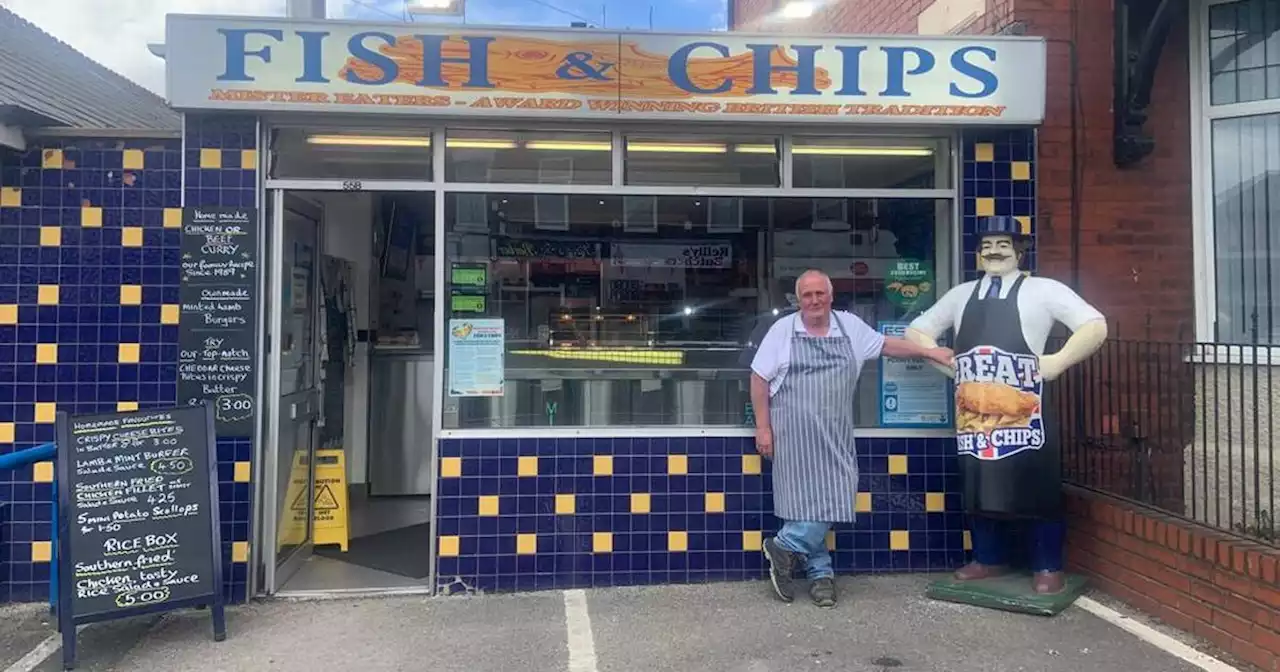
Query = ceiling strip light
x=755 y=149
x=569 y=145
x=369 y=140
x=675 y=149
x=479 y=143
x=864 y=151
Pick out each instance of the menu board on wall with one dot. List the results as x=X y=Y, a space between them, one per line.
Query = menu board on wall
x=218 y=327
x=912 y=392
x=137 y=517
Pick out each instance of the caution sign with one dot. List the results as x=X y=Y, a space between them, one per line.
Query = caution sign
x=329 y=513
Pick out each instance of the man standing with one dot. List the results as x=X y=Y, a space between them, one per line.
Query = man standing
x=803 y=383
x=1009 y=455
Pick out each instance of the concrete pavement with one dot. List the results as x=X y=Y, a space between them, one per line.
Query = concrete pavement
x=882 y=623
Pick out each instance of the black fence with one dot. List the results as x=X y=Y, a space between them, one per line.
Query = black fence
x=1188 y=428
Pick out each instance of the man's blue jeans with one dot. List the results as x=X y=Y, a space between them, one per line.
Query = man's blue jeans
x=809 y=539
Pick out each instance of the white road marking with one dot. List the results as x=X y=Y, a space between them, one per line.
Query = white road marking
x=582 y=646
x=38 y=655
x=1154 y=637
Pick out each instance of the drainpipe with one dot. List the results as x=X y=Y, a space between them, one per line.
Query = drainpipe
x=305 y=9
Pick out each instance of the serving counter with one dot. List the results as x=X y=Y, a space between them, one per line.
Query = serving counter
x=401 y=402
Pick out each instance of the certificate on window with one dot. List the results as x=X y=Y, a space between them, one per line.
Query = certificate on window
x=476 y=358
x=912 y=392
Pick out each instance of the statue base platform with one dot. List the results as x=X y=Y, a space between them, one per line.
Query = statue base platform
x=1011 y=592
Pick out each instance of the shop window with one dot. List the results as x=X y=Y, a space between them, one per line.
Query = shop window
x=528 y=157
x=1246 y=229
x=702 y=161
x=350 y=154
x=634 y=310
x=869 y=163
x=1244 y=51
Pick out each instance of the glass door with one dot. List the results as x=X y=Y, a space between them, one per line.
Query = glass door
x=296 y=227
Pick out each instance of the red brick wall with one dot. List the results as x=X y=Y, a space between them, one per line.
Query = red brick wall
x=1218 y=587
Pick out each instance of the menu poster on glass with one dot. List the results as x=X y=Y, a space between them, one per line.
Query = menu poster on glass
x=477 y=366
x=909 y=283
x=912 y=393
x=468 y=287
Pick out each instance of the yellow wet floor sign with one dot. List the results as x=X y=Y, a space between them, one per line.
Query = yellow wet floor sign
x=329 y=502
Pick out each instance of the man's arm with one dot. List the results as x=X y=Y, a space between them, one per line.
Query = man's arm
x=764 y=368
x=901 y=348
x=760 y=400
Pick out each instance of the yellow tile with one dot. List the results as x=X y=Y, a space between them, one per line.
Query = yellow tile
x=134 y=159
x=602 y=542
x=526 y=544
x=91 y=217
x=169 y=313
x=6 y=432
x=126 y=406
x=248 y=159
x=131 y=295
x=1024 y=224
x=862 y=502
x=752 y=540
x=131 y=236
x=239 y=551
x=10 y=197
x=935 y=502
x=715 y=502
x=51 y=159
x=47 y=295
x=130 y=353
x=984 y=151
x=173 y=218
x=831 y=540
x=751 y=464
x=450 y=467
x=677 y=542
x=897 y=465
x=47 y=353
x=211 y=158
x=488 y=505
x=51 y=236
x=42 y=472
x=602 y=465
x=968 y=541
x=41 y=551
x=449 y=546
x=899 y=540
x=528 y=466
x=244 y=472
x=677 y=465
x=1020 y=170
x=566 y=505
x=8 y=314
x=985 y=207
x=640 y=502
x=46 y=412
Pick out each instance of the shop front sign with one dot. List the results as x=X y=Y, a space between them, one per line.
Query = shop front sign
x=266 y=64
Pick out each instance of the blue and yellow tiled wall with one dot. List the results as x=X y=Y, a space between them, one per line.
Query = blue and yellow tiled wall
x=522 y=514
x=89 y=280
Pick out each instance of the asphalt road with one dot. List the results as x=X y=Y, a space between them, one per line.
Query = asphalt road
x=882 y=623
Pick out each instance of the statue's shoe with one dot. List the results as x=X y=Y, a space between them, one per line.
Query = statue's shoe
x=976 y=570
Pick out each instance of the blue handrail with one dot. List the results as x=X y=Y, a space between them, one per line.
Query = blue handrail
x=28 y=456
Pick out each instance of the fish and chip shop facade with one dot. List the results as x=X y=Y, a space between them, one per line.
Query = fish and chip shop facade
x=507 y=277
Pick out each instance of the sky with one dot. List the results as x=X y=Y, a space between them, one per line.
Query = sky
x=115 y=33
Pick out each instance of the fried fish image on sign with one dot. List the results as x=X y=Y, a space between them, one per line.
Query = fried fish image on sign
x=998 y=397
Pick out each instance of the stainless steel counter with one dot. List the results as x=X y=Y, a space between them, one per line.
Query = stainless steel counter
x=401 y=402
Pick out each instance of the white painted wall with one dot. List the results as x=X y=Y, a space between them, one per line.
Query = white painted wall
x=348 y=234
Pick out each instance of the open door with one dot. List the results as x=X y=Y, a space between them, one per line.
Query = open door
x=294 y=383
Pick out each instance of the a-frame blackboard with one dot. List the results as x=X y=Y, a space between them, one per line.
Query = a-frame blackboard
x=138 y=528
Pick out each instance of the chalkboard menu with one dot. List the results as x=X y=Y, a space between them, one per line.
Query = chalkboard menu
x=218 y=329
x=137 y=517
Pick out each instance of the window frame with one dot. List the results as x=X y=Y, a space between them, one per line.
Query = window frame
x=948 y=252
x=1205 y=263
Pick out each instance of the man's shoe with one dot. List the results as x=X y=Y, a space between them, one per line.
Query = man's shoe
x=976 y=570
x=1048 y=583
x=782 y=567
x=823 y=592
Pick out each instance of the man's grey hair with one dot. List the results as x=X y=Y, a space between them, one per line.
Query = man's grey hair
x=814 y=273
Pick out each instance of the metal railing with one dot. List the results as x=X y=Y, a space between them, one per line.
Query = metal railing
x=1185 y=427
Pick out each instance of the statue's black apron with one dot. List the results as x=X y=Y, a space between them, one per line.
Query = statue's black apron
x=1027 y=484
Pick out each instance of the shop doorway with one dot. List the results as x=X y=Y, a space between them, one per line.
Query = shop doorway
x=355 y=374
